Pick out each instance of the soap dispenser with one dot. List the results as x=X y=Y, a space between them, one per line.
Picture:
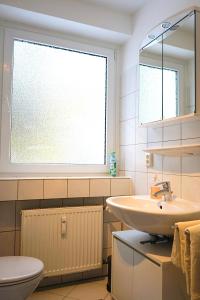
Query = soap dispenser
x=154 y=188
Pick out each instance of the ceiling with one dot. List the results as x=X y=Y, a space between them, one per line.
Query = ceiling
x=125 y=6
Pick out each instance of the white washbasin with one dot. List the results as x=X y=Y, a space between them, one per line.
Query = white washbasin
x=144 y=213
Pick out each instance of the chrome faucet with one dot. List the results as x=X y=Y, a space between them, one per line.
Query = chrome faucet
x=165 y=191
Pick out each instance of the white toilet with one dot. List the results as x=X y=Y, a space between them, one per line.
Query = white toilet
x=19 y=276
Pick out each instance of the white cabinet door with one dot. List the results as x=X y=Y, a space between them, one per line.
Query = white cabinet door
x=147 y=283
x=122 y=271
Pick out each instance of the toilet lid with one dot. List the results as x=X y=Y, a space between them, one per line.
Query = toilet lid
x=18 y=268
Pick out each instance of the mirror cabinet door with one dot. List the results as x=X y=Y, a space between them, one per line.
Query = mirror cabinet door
x=150 y=70
x=179 y=69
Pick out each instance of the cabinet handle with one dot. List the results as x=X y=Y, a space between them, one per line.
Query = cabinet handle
x=63 y=225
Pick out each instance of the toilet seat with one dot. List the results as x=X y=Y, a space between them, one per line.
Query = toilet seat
x=18 y=269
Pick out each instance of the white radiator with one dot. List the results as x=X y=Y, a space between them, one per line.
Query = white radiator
x=67 y=239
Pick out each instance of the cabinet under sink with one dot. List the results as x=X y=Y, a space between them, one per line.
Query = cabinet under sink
x=141 y=272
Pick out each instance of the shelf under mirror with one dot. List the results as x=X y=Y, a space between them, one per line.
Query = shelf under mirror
x=182 y=150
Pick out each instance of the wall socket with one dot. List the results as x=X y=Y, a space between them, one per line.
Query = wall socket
x=149 y=160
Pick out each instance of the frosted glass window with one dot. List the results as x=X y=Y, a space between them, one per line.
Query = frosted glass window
x=58 y=105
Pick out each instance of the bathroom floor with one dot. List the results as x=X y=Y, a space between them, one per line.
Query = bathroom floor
x=93 y=290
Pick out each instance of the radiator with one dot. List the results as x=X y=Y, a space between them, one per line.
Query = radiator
x=67 y=240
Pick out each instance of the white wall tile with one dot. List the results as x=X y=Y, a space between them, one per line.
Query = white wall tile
x=191 y=188
x=128 y=107
x=157 y=166
x=191 y=164
x=191 y=129
x=141 y=135
x=172 y=133
x=155 y=134
x=175 y=181
x=127 y=132
x=132 y=179
x=140 y=160
x=120 y=187
x=151 y=178
x=171 y=164
x=127 y=159
x=141 y=183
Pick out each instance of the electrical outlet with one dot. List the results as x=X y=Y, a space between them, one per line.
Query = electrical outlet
x=149 y=160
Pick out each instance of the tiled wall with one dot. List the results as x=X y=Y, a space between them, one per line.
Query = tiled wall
x=16 y=195
x=183 y=173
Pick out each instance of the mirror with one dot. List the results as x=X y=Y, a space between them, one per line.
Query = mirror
x=150 y=104
x=167 y=72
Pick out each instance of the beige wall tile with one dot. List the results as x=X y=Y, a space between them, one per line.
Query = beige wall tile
x=120 y=186
x=54 y=188
x=8 y=190
x=72 y=277
x=17 y=242
x=99 y=187
x=78 y=188
x=7 y=243
x=30 y=189
x=7 y=216
x=108 y=228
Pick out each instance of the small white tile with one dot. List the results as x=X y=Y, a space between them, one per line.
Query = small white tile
x=78 y=188
x=128 y=106
x=141 y=135
x=157 y=166
x=175 y=181
x=99 y=187
x=141 y=183
x=140 y=159
x=120 y=187
x=172 y=133
x=132 y=179
x=191 y=129
x=151 y=178
x=127 y=158
x=171 y=165
x=191 y=188
x=191 y=164
x=155 y=135
x=127 y=132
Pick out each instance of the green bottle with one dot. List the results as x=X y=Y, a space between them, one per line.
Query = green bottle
x=113 y=164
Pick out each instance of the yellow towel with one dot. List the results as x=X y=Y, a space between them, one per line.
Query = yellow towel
x=178 y=247
x=192 y=261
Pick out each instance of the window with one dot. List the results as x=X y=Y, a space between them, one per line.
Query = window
x=59 y=99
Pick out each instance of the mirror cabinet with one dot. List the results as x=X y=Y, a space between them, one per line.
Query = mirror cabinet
x=168 y=70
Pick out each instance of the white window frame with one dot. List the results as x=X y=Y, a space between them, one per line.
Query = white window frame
x=5 y=163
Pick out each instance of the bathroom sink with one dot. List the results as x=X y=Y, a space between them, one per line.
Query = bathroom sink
x=151 y=215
